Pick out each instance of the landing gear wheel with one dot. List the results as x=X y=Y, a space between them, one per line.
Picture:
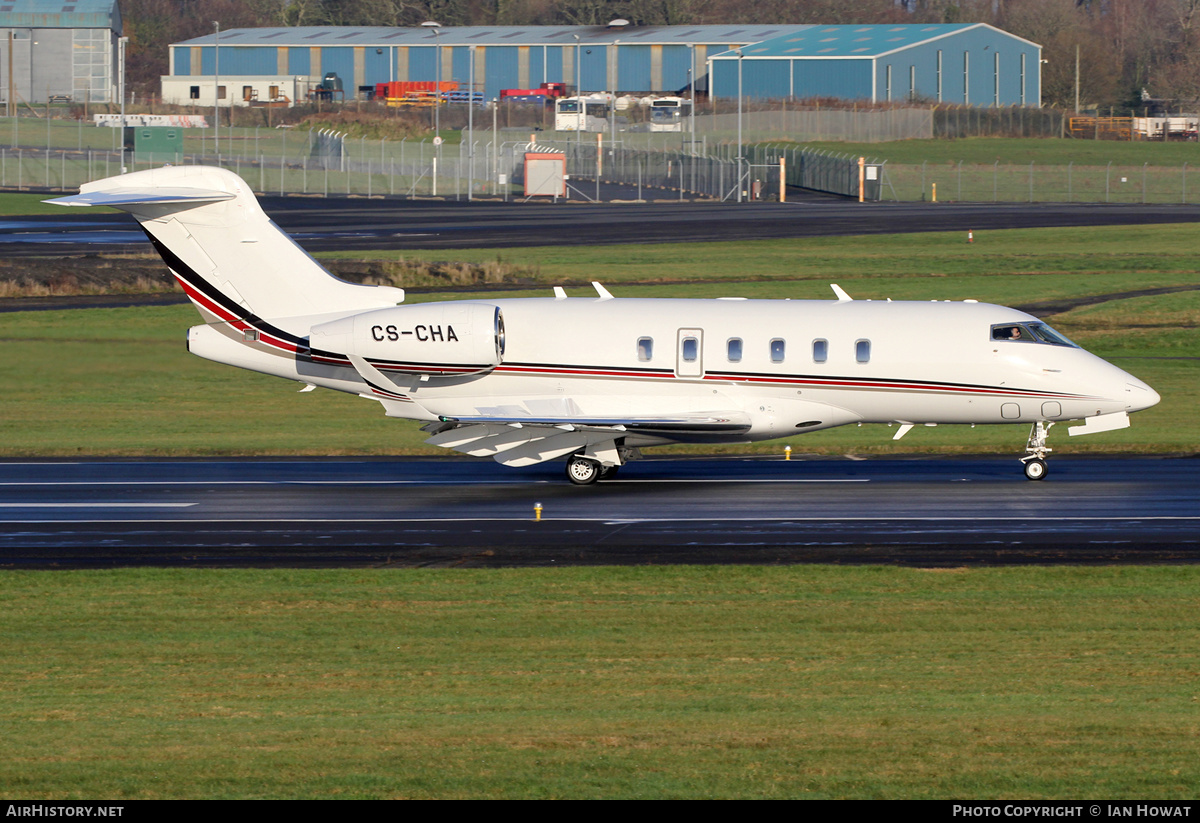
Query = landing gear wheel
x=1035 y=469
x=609 y=472
x=582 y=471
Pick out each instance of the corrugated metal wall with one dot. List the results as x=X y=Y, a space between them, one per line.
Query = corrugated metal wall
x=377 y=65
x=502 y=70
x=634 y=64
x=676 y=61
x=299 y=62
x=981 y=67
x=248 y=60
x=339 y=59
x=593 y=65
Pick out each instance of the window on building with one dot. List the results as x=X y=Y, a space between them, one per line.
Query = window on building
x=194 y=92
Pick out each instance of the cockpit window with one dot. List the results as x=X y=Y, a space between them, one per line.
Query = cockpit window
x=1029 y=333
x=1048 y=335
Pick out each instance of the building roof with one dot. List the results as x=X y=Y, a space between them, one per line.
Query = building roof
x=854 y=41
x=493 y=35
x=60 y=14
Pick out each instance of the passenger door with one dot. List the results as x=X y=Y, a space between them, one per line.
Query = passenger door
x=689 y=353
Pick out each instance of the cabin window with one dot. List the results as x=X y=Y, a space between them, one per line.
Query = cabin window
x=777 y=350
x=820 y=351
x=690 y=350
x=862 y=351
x=645 y=348
x=734 y=348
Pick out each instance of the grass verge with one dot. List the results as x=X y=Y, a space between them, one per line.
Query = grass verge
x=797 y=682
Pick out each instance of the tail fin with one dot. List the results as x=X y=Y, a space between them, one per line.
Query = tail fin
x=232 y=261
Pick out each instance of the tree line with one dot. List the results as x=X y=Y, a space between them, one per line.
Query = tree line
x=1126 y=50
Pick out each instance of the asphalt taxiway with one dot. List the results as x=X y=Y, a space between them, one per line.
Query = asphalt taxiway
x=351 y=224
x=412 y=512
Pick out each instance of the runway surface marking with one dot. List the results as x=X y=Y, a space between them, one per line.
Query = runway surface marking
x=634 y=520
x=400 y=482
x=97 y=505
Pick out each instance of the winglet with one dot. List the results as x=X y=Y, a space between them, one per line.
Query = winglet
x=842 y=297
x=600 y=290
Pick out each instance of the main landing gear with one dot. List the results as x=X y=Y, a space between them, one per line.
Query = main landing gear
x=583 y=471
x=1036 y=448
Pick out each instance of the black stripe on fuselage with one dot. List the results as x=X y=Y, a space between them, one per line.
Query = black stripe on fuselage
x=214 y=294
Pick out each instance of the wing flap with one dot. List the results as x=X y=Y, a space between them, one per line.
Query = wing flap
x=523 y=441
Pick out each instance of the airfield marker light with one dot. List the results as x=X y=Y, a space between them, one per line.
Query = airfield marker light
x=970 y=236
x=787 y=452
x=537 y=511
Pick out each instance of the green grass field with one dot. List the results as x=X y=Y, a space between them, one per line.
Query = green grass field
x=677 y=682
x=1018 y=151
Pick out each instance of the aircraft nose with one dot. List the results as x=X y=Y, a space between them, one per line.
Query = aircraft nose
x=1139 y=396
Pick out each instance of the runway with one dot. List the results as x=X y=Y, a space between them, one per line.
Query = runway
x=420 y=512
x=348 y=225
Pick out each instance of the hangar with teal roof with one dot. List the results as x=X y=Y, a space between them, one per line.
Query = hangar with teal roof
x=972 y=64
x=849 y=62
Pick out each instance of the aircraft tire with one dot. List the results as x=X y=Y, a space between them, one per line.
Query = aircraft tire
x=1035 y=469
x=609 y=472
x=582 y=471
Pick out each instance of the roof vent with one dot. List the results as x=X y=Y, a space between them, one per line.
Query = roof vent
x=618 y=23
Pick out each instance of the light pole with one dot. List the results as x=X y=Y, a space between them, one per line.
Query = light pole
x=692 y=94
x=471 y=126
x=121 y=54
x=578 y=96
x=437 y=100
x=216 y=89
x=612 y=105
x=739 y=157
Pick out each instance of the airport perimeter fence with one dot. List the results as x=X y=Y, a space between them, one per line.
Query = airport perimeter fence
x=649 y=166
x=330 y=164
x=1033 y=183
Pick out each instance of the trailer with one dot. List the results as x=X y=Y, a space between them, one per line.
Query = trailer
x=545 y=94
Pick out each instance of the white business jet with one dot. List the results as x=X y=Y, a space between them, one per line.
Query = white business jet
x=596 y=379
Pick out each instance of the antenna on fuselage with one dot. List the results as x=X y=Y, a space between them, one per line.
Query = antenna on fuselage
x=600 y=290
x=841 y=293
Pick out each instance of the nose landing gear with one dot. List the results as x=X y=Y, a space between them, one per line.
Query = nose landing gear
x=1036 y=448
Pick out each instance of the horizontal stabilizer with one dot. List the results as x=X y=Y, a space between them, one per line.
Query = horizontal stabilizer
x=129 y=197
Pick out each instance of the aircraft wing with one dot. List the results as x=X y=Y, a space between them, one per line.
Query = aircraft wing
x=523 y=441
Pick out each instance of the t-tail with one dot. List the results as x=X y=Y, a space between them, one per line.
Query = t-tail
x=234 y=263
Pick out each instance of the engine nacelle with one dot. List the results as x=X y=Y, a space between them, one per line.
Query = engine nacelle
x=430 y=338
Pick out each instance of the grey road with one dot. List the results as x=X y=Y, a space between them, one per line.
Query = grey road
x=409 y=512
